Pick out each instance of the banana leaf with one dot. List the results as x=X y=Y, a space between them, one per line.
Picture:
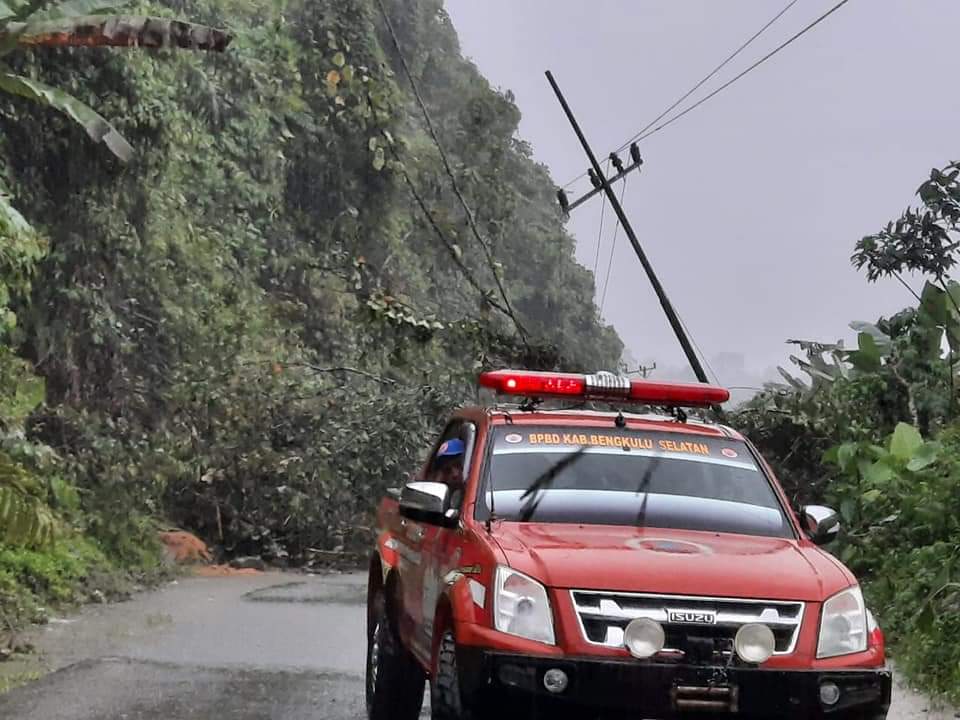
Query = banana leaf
x=95 y=124
x=118 y=31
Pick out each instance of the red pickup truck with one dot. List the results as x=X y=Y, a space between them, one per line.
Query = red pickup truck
x=570 y=563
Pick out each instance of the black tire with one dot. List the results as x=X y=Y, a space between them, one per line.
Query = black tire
x=446 y=703
x=394 y=679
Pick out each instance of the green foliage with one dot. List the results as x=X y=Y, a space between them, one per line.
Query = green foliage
x=96 y=126
x=896 y=492
x=35 y=581
x=23 y=15
x=11 y=681
x=52 y=575
x=25 y=518
x=866 y=413
x=903 y=537
x=921 y=240
x=28 y=23
x=254 y=330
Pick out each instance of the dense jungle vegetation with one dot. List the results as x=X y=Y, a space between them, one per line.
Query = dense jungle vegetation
x=256 y=322
x=252 y=327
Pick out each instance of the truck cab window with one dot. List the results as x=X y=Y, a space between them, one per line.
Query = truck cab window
x=449 y=463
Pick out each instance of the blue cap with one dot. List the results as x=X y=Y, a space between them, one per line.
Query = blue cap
x=451 y=448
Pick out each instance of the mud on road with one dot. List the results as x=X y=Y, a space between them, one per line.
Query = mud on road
x=278 y=646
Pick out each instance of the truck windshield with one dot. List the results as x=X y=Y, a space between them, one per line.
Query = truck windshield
x=625 y=477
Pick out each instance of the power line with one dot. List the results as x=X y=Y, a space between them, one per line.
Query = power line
x=750 y=69
x=647 y=132
x=613 y=247
x=713 y=72
x=603 y=209
x=581 y=176
x=903 y=282
x=471 y=221
x=692 y=340
x=451 y=249
x=702 y=354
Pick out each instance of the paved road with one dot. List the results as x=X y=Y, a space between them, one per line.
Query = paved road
x=283 y=647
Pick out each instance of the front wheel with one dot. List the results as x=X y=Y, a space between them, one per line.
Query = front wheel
x=394 y=679
x=446 y=702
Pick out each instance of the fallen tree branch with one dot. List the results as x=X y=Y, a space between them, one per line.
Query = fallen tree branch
x=321 y=370
x=335 y=553
x=350 y=370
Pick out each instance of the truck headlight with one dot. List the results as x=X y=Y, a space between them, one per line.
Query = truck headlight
x=843 y=625
x=521 y=606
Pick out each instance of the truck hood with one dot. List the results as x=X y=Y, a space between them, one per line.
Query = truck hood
x=674 y=562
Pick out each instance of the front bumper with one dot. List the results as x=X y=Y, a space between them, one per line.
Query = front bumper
x=611 y=688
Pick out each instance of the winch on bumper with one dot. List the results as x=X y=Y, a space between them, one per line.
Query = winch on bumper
x=590 y=686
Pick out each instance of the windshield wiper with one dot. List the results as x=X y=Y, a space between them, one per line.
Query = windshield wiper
x=642 y=488
x=534 y=493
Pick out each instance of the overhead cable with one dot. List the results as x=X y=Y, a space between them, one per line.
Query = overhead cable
x=750 y=69
x=613 y=247
x=712 y=73
x=652 y=127
x=471 y=220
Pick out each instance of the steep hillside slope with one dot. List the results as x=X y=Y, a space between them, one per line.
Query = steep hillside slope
x=255 y=327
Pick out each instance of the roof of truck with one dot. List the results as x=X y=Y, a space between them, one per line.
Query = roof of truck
x=512 y=414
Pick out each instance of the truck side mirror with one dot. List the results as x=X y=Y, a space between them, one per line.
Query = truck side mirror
x=821 y=523
x=428 y=502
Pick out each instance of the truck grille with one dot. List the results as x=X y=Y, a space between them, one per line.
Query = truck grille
x=603 y=617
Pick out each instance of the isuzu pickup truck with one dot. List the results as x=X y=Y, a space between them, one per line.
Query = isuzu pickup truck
x=549 y=563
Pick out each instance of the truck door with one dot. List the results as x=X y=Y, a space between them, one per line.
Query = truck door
x=415 y=539
x=441 y=546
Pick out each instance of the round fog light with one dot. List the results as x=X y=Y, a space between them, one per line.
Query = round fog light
x=755 y=643
x=555 y=680
x=644 y=637
x=829 y=693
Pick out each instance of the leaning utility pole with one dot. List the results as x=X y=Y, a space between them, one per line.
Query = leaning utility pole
x=602 y=184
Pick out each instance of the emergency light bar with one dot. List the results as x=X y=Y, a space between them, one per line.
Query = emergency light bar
x=603 y=386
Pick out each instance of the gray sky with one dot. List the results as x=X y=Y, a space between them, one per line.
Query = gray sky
x=750 y=206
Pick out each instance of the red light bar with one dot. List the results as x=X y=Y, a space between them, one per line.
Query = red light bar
x=603 y=386
x=678 y=394
x=540 y=384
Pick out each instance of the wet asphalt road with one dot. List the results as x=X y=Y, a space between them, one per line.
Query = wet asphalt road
x=244 y=648
x=283 y=647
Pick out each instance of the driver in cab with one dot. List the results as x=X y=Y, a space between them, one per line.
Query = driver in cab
x=448 y=469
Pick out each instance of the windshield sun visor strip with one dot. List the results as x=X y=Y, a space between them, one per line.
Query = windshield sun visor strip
x=566 y=449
